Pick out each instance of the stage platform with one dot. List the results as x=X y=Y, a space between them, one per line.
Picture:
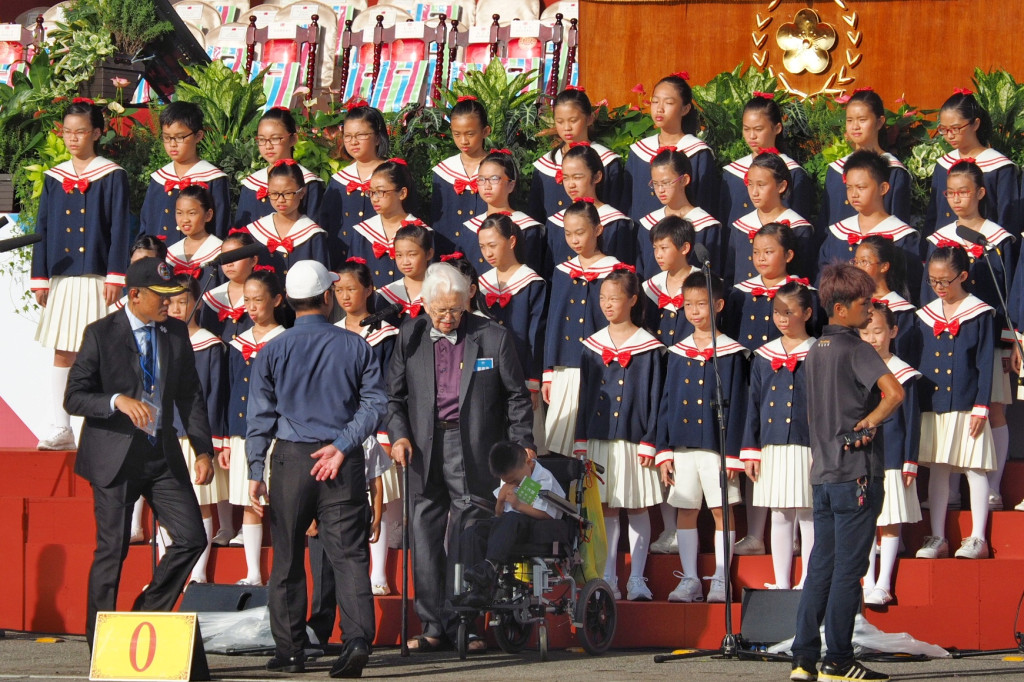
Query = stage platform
x=47 y=534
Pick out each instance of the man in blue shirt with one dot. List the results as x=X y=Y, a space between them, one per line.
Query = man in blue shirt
x=318 y=390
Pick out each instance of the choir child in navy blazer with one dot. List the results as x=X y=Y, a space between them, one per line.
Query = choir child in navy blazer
x=455 y=197
x=194 y=216
x=414 y=250
x=223 y=310
x=78 y=269
x=887 y=266
x=181 y=129
x=688 y=437
x=621 y=374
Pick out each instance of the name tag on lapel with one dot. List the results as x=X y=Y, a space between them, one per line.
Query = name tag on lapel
x=483 y=363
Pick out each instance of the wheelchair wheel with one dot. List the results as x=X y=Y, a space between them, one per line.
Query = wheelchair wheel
x=596 y=615
x=462 y=640
x=542 y=641
x=512 y=635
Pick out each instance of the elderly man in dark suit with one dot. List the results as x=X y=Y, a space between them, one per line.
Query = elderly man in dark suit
x=134 y=368
x=455 y=388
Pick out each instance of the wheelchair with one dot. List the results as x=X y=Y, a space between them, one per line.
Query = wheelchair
x=544 y=577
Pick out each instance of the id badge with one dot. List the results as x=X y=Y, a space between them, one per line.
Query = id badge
x=149 y=400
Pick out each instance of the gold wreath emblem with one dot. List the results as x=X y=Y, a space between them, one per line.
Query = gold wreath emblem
x=806 y=42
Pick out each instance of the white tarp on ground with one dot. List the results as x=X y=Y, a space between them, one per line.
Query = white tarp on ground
x=867 y=639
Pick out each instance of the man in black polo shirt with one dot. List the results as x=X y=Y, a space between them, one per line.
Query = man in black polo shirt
x=849 y=388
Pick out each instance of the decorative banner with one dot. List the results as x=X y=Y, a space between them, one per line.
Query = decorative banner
x=147 y=646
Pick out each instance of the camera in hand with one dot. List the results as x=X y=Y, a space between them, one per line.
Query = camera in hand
x=850 y=439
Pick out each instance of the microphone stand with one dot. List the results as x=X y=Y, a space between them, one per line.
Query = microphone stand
x=987 y=247
x=732 y=643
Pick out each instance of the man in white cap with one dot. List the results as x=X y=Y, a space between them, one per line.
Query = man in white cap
x=319 y=391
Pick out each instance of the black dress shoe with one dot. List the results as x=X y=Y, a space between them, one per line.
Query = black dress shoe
x=352 y=660
x=481 y=575
x=292 y=664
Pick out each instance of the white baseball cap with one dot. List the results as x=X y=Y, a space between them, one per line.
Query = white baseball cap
x=308 y=278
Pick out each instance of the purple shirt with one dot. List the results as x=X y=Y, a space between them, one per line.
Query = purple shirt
x=448 y=376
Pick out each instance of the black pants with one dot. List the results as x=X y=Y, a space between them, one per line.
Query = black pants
x=440 y=503
x=145 y=473
x=324 y=601
x=343 y=517
x=493 y=539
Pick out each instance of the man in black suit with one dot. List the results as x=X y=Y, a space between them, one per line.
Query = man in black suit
x=455 y=388
x=134 y=368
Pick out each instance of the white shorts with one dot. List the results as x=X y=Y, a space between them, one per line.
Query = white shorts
x=696 y=479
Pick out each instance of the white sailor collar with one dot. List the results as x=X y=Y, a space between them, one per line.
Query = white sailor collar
x=452 y=169
x=657 y=286
x=397 y=293
x=687 y=348
x=601 y=268
x=302 y=230
x=988 y=160
x=647 y=148
x=207 y=251
x=756 y=284
x=897 y=303
x=520 y=279
x=839 y=164
x=775 y=350
x=521 y=219
x=258 y=180
x=901 y=369
x=247 y=339
x=217 y=299
x=739 y=167
x=640 y=342
x=350 y=174
x=849 y=228
x=202 y=171
x=606 y=213
x=372 y=230
x=990 y=230
x=751 y=222
x=969 y=308
x=203 y=339
x=700 y=218
x=372 y=337
x=97 y=168
x=550 y=167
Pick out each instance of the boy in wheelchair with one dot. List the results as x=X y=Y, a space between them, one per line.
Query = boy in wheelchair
x=519 y=506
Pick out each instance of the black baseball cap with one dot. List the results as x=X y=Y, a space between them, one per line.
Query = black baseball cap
x=153 y=274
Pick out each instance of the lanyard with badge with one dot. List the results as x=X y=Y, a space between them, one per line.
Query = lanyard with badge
x=147 y=360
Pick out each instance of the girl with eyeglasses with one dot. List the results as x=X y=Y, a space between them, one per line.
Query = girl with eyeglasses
x=886 y=264
x=276 y=136
x=967 y=128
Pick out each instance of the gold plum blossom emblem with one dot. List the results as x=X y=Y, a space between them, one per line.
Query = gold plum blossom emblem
x=806 y=42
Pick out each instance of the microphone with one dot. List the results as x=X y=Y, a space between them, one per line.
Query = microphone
x=241 y=253
x=703 y=256
x=3 y=220
x=18 y=242
x=382 y=314
x=969 y=235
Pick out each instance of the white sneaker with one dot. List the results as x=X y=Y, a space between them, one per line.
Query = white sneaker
x=995 y=501
x=934 y=547
x=667 y=543
x=613 y=582
x=636 y=590
x=61 y=438
x=771 y=586
x=223 y=537
x=878 y=597
x=381 y=590
x=237 y=540
x=688 y=590
x=716 y=593
x=972 y=548
x=250 y=582
x=748 y=546
x=1019 y=506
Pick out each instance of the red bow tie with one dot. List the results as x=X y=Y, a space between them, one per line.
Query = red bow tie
x=413 y=309
x=706 y=353
x=286 y=242
x=381 y=250
x=664 y=300
x=192 y=271
x=576 y=273
x=261 y=193
x=234 y=313
x=461 y=186
x=623 y=358
x=250 y=349
x=789 y=363
x=751 y=235
x=177 y=184
x=70 y=185
x=500 y=299
x=761 y=291
x=951 y=327
x=355 y=186
x=559 y=177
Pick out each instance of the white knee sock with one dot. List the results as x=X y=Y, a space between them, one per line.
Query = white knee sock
x=199 y=571
x=225 y=516
x=668 y=516
x=887 y=561
x=720 y=567
x=782 y=546
x=978 y=482
x=137 y=517
x=869 y=577
x=611 y=531
x=1001 y=443
x=938 y=498
x=252 y=541
x=639 y=542
x=689 y=544
x=805 y=519
x=58 y=384
x=379 y=557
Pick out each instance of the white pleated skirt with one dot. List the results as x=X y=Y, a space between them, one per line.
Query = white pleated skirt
x=392 y=480
x=627 y=484
x=217 y=490
x=72 y=304
x=560 y=422
x=946 y=439
x=900 y=504
x=1001 y=389
x=785 y=480
x=238 y=474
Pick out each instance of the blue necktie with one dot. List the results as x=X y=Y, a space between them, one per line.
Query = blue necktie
x=147 y=359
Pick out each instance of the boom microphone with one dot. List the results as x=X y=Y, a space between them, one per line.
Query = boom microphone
x=703 y=256
x=382 y=314
x=969 y=235
x=241 y=253
x=18 y=242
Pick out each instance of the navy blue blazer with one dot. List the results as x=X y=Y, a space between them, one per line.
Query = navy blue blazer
x=157 y=216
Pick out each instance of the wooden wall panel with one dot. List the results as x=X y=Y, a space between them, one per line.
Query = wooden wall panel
x=920 y=48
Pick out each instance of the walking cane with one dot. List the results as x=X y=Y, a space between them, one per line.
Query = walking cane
x=405 y=560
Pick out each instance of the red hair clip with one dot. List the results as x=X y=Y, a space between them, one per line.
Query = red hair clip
x=401 y=162
x=867 y=89
x=500 y=151
x=880 y=301
x=799 y=280
x=456 y=255
x=763 y=95
x=685 y=75
x=264 y=268
x=784 y=222
x=284 y=162
x=417 y=222
x=577 y=88
x=206 y=186
x=746 y=178
x=238 y=230
x=624 y=266
x=586 y=200
x=768 y=150
x=83 y=100
x=966 y=159
x=943 y=243
x=280 y=109
x=665 y=148
x=465 y=98
x=356 y=103
x=844 y=178
x=162 y=237
x=958 y=91
x=579 y=144
x=356 y=259
x=508 y=213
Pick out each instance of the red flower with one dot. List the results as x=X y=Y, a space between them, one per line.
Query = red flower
x=639 y=89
